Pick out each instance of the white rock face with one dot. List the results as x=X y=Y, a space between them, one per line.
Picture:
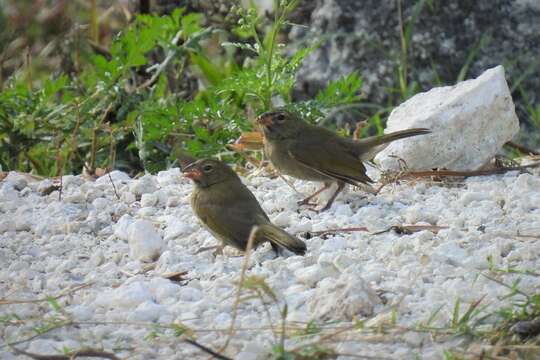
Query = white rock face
x=144 y=242
x=470 y=123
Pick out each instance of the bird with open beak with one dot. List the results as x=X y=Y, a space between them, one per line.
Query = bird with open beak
x=228 y=210
x=308 y=152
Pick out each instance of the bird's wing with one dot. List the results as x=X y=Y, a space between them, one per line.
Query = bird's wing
x=231 y=218
x=329 y=157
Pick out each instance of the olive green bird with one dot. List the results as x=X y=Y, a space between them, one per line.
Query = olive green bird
x=229 y=211
x=313 y=153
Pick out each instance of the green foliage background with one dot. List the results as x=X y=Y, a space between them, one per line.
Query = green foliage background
x=121 y=110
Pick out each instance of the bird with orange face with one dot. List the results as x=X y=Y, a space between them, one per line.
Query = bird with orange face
x=309 y=152
x=229 y=211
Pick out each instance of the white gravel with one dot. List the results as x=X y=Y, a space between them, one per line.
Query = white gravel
x=90 y=237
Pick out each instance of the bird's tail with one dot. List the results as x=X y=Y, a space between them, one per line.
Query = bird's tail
x=371 y=146
x=281 y=238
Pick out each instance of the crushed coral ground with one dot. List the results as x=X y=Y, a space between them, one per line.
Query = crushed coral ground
x=49 y=246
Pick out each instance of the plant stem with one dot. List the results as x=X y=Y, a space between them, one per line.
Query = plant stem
x=94 y=33
x=404 y=45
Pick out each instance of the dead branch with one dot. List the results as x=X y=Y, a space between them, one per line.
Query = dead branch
x=95 y=353
x=409 y=229
x=394 y=177
x=207 y=350
x=400 y=229
x=450 y=173
x=112 y=182
x=48 y=298
x=323 y=233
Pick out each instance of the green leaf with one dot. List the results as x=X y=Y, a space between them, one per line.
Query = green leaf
x=341 y=92
x=191 y=24
x=213 y=73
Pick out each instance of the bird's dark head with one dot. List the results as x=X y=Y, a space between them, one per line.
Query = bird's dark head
x=279 y=124
x=207 y=172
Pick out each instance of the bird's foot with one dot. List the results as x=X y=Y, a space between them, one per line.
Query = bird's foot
x=306 y=202
x=326 y=207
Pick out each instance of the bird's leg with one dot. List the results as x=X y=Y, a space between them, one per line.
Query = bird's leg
x=306 y=200
x=340 y=187
x=276 y=249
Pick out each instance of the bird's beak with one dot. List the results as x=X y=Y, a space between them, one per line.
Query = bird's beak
x=185 y=164
x=193 y=174
x=265 y=120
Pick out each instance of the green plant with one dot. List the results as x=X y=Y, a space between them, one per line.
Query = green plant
x=74 y=122
x=121 y=106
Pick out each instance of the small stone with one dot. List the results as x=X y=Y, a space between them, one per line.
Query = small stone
x=164 y=290
x=75 y=198
x=146 y=211
x=173 y=201
x=452 y=252
x=282 y=219
x=177 y=228
x=116 y=176
x=93 y=194
x=121 y=228
x=81 y=312
x=189 y=293
x=101 y=203
x=128 y=198
x=71 y=181
x=45 y=187
x=469 y=197
x=126 y=296
x=161 y=197
x=18 y=180
x=148 y=200
x=43 y=347
x=147 y=311
x=309 y=275
x=144 y=185
x=97 y=258
x=169 y=177
x=144 y=241
x=348 y=297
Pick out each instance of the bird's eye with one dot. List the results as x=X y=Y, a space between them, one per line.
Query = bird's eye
x=207 y=168
x=280 y=118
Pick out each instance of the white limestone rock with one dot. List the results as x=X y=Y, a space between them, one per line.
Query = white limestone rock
x=470 y=122
x=17 y=179
x=121 y=228
x=148 y=200
x=348 y=297
x=144 y=241
x=144 y=185
x=116 y=176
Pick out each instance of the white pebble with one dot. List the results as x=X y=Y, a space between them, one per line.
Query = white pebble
x=144 y=242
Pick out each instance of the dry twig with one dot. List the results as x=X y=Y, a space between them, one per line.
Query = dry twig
x=48 y=298
x=392 y=177
x=207 y=350
x=95 y=353
x=112 y=182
